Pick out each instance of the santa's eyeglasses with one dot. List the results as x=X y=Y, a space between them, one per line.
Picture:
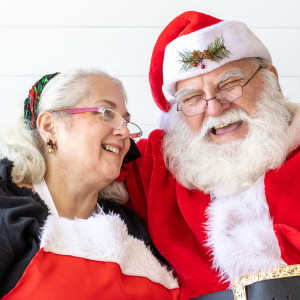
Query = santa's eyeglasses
x=197 y=105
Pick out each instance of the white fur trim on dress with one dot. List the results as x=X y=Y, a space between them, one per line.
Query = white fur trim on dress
x=241 y=235
x=104 y=238
x=239 y=40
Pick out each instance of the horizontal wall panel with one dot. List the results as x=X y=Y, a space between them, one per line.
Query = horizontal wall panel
x=290 y=88
x=140 y=102
x=284 y=46
x=31 y=51
x=124 y=52
x=256 y=13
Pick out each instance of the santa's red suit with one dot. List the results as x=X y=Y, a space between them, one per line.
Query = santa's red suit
x=194 y=233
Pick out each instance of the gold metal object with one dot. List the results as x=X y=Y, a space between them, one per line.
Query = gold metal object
x=239 y=286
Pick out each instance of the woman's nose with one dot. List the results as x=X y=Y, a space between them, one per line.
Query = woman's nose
x=123 y=131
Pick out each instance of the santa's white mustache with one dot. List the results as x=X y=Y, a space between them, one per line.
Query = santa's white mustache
x=228 y=117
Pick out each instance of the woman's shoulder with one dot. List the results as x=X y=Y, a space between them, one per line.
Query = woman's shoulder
x=21 y=198
x=22 y=214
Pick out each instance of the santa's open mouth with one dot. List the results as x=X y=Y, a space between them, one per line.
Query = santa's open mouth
x=226 y=128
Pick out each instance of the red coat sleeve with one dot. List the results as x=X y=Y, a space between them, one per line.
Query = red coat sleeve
x=139 y=173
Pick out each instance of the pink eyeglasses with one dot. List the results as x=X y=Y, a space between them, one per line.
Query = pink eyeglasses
x=110 y=117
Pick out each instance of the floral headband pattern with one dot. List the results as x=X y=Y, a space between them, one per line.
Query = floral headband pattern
x=32 y=101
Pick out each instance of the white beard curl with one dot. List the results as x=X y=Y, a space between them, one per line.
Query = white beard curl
x=198 y=163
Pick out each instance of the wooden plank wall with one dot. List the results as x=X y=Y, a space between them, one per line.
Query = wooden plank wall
x=40 y=37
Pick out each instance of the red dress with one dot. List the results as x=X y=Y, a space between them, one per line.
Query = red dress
x=93 y=259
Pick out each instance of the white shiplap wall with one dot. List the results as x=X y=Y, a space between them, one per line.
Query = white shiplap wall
x=39 y=37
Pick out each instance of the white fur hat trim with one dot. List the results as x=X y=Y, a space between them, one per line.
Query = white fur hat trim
x=239 y=40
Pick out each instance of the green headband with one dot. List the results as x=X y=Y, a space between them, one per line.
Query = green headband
x=32 y=101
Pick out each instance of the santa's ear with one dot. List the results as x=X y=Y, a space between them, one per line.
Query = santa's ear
x=273 y=70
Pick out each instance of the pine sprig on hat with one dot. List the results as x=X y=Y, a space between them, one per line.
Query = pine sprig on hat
x=216 y=51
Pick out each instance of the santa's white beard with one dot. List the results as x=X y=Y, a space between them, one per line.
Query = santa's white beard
x=199 y=163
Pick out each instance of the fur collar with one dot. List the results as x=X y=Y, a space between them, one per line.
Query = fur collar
x=241 y=235
x=104 y=237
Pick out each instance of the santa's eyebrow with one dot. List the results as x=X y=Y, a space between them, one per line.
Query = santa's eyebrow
x=185 y=92
x=238 y=73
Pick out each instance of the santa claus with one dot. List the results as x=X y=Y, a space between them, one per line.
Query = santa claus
x=218 y=187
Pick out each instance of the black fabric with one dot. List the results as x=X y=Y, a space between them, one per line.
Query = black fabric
x=133 y=152
x=22 y=214
x=275 y=289
x=272 y=289
x=223 y=295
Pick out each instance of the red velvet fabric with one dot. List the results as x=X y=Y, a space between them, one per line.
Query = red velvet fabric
x=283 y=194
x=176 y=216
x=61 y=277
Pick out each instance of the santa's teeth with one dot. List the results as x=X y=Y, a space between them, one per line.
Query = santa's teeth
x=112 y=149
x=221 y=126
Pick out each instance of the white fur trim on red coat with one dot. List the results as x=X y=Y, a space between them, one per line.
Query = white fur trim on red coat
x=104 y=238
x=241 y=235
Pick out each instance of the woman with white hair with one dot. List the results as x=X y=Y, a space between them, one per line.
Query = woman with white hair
x=63 y=232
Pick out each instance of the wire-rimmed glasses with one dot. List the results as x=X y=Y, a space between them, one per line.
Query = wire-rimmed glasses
x=110 y=117
x=197 y=105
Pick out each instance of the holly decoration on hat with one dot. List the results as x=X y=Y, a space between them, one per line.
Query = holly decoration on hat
x=216 y=51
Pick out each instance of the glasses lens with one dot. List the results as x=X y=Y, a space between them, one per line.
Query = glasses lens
x=134 y=130
x=230 y=94
x=194 y=106
x=112 y=118
x=116 y=121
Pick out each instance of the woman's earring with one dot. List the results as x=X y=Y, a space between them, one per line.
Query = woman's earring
x=50 y=145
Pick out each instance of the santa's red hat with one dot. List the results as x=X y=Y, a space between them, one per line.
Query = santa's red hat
x=193 y=44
